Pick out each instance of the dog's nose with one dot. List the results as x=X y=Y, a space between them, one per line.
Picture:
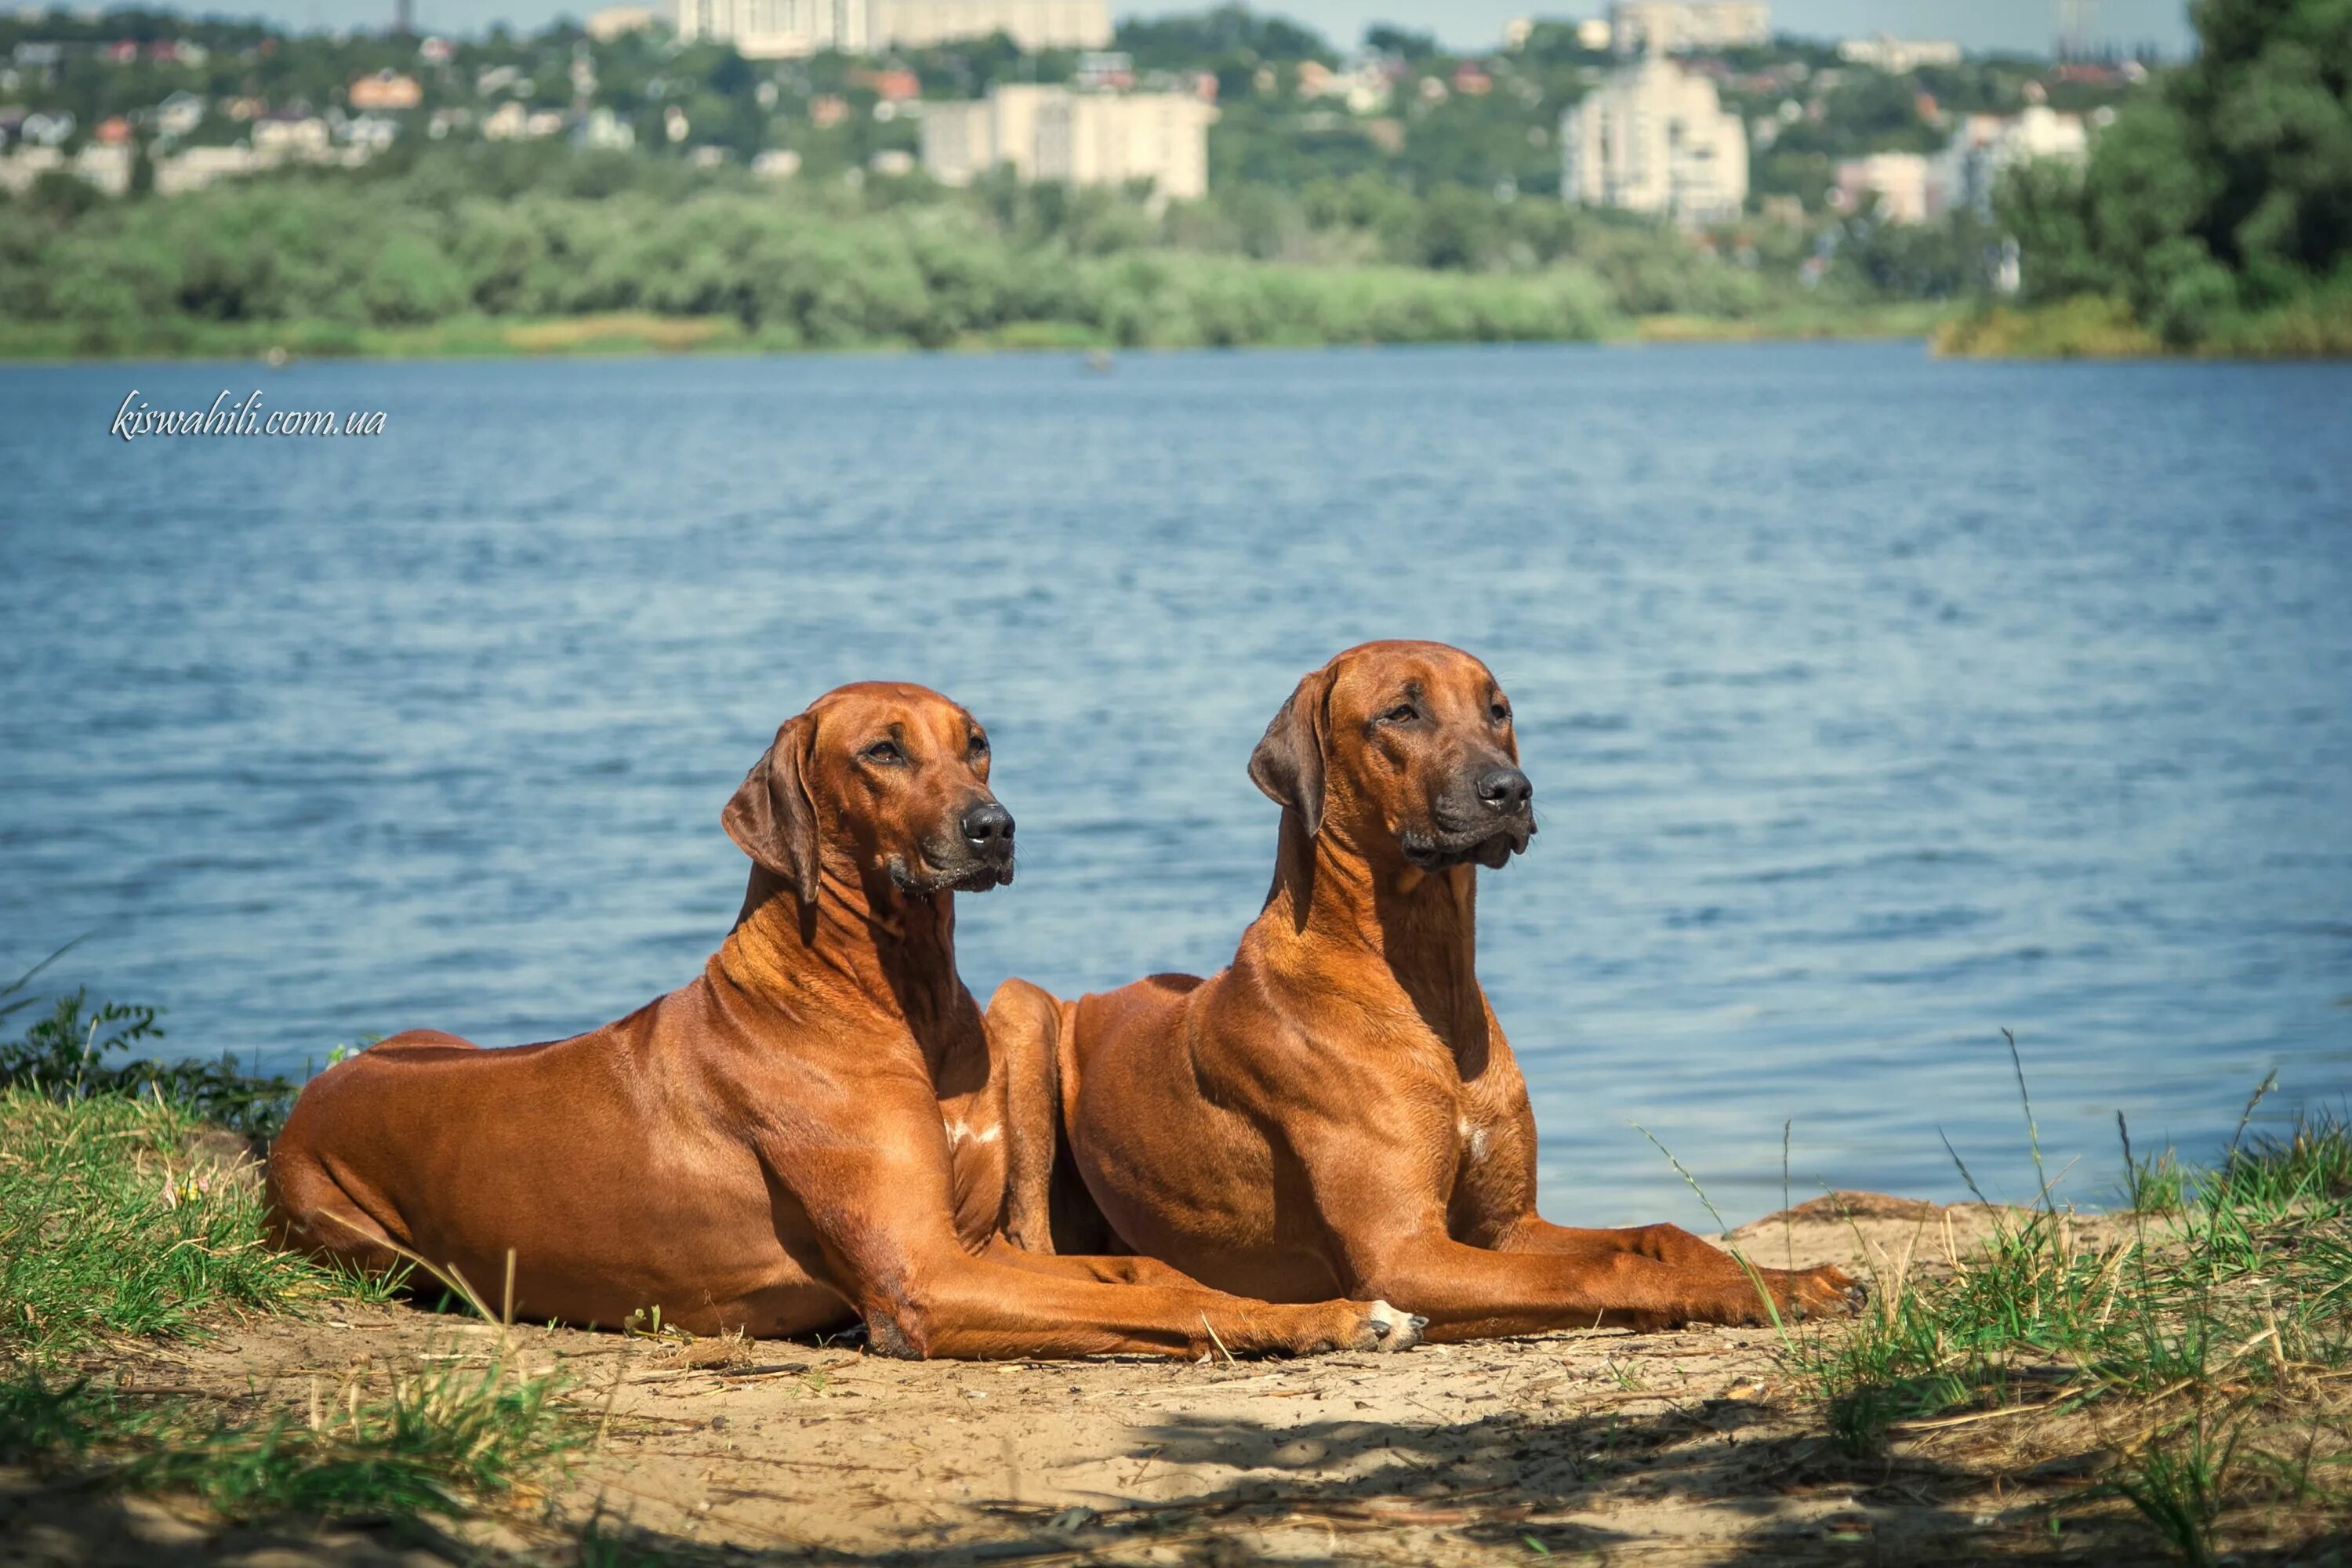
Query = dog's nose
x=987 y=827
x=1505 y=789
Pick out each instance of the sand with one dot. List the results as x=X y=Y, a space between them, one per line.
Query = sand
x=1696 y=1445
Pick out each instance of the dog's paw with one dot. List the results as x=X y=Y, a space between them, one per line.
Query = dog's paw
x=1395 y=1331
x=1824 y=1291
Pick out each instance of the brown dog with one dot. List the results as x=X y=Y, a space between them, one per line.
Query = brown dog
x=812 y=1131
x=1337 y=1113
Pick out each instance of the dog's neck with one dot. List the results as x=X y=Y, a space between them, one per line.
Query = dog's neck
x=858 y=946
x=1335 y=898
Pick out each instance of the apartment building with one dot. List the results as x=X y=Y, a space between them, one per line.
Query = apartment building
x=1057 y=135
x=1654 y=138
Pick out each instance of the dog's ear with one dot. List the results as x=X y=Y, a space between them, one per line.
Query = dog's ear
x=771 y=817
x=1288 y=761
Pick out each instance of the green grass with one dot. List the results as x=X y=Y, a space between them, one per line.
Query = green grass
x=2317 y=324
x=2217 y=1328
x=112 y=1223
x=116 y=1225
x=386 y=1445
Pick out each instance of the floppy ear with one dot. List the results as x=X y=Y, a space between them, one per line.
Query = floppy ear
x=772 y=819
x=1288 y=761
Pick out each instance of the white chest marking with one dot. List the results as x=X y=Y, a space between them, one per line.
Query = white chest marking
x=959 y=1133
x=1474 y=1139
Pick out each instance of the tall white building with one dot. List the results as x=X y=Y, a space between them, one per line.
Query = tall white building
x=1654 y=138
x=1663 y=26
x=1054 y=135
x=778 y=29
x=1033 y=24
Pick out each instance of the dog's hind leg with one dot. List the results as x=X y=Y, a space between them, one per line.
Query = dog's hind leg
x=310 y=1213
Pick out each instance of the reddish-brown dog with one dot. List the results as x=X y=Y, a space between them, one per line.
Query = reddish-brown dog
x=812 y=1131
x=1337 y=1113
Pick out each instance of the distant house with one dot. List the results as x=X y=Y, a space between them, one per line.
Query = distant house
x=290 y=132
x=372 y=131
x=47 y=128
x=509 y=122
x=387 y=91
x=1908 y=185
x=179 y=114
x=1670 y=26
x=603 y=130
x=894 y=86
x=1898 y=56
x=196 y=167
x=1984 y=146
x=1655 y=138
x=619 y=21
x=1035 y=24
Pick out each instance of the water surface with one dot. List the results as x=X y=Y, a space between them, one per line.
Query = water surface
x=1872 y=704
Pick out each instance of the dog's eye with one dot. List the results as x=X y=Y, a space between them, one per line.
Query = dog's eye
x=978 y=747
x=885 y=754
x=1402 y=714
x=1500 y=714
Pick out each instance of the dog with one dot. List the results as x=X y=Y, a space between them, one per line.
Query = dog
x=813 y=1132
x=1339 y=1113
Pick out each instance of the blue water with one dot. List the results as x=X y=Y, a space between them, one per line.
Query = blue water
x=1872 y=704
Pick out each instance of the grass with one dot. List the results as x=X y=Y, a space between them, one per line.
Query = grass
x=2205 y=1343
x=122 y=1219
x=2317 y=324
x=115 y=1219
x=381 y=1445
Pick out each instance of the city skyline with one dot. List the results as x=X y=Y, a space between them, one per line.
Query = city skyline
x=2013 y=24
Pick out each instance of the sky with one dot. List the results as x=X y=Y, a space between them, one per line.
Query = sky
x=2026 y=25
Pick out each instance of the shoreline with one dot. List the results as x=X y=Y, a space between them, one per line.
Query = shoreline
x=639 y=335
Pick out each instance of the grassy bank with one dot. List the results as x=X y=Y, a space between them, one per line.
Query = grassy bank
x=635 y=333
x=2193 y=1364
x=125 y=1222
x=2314 y=325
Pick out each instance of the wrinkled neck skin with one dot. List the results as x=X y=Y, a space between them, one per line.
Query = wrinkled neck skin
x=860 y=946
x=1346 y=901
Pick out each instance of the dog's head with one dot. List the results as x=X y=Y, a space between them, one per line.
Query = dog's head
x=880 y=779
x=1406 y=744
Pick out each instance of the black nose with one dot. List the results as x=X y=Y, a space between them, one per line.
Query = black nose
x=1505 y=789
x=987 y=827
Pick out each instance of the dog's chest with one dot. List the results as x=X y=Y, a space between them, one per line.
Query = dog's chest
x=977 y=1169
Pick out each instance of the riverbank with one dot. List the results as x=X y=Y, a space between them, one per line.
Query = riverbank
x=2023 y=1381
x=2317 y=326
x=624 y=333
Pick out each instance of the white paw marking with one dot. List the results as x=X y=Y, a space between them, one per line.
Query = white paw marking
x=1404 y=1328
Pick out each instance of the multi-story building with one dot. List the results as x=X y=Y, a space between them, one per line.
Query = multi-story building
x=1984 y=145
x=1055 y=135
x=1033 y=24
x=1908 y=185
x=1654 y=138
x=778 y=29
x=1898 y=56
x=1664 y=27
